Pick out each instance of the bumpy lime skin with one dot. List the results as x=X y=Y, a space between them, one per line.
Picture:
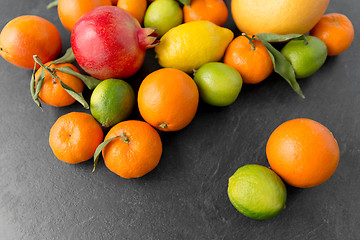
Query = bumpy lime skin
x=306 y=56
x=257 y=192
x=218 y=84
x=112 y=101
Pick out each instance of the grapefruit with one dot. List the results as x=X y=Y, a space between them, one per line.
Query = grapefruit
x=277 y=16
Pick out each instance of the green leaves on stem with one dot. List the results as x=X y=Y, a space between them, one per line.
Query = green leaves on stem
x=89 y=81
x=185 y=2
x=281 y=65
x=52 y=4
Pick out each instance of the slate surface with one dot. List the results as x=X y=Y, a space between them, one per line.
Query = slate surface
x=185 y=196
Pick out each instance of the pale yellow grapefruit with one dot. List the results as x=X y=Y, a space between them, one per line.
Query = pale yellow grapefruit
x=277 y=16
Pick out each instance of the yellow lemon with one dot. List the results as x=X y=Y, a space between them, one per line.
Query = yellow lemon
x=277 y=16
x=190 y=45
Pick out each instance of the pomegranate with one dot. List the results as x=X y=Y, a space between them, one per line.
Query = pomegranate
x=108 y=42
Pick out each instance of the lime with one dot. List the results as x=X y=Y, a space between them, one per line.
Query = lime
x=257 y=192
x=306 y=56
x=163 y=15
x=218 y=83
x=112 y=101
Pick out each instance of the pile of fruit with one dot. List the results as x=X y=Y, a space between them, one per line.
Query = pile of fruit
x=200 y=59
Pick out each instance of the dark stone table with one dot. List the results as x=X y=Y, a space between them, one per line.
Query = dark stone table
x=185 y=197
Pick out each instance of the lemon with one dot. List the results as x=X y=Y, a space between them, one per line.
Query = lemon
x=190 y=45
x=257 y=192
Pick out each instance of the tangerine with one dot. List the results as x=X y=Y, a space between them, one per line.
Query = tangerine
x=136 y=8
x=250 y=58
x=52 y=92
x=74 y=137
x=28 y=35
x=211 y=10
x=168 y=99
x=303 y=152
x=71 y=10
x=135 y=152
x=336 y=31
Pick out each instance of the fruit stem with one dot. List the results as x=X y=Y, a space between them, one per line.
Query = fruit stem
x=125 y=138
x=37 y=59
x=250 y=41
x=52 y=4
x=163 y=125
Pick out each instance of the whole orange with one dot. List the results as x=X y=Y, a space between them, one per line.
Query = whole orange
x=136 y=8
x=277 y=16
x=336 y=31
x=303 y=152
x=168 y=99
x=250 y=59
x=52 y=92
x=135 y=152
x=74 y=137
x=71 y=10
x=28 y=35
x=212 y=10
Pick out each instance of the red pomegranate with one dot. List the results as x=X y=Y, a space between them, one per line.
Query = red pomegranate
x=109 y=43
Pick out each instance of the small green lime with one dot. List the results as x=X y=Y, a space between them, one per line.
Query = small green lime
x=163 y=15
x=306 y=56
x=218 y=83
x=112 y=102
x=257 y=192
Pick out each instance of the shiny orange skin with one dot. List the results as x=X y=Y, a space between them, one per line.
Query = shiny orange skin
x=52 y=92
x=211 y=10
x=168 y=99
x=255 y=65
x=303 y=152
x=74 y=137
x=134 y=154
x=136 y=8
x=336 y=31
x=71 y=10
x=28 y=35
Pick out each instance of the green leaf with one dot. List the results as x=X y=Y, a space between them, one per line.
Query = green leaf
x=67 y=58
x=89 y=81
x=78 y=96
x=272 y=37
x=32 y=87
x=39 y=85
x=185 y=2
x=52 y=4
x=283 y=67
x=99 y=149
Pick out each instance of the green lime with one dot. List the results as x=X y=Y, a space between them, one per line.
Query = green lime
x=306 y=56
x=218 y=83
x=112 y=101
x=257 y=192
x=163 y=15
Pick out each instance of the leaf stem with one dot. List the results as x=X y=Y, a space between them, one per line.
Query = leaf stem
x=251 y=39
x=52 y=4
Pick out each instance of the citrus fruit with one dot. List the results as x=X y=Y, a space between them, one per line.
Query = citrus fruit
x=74 y=137
x=336 y=31
x=303 y=152
x=163 y=15
x=136 y=150
x=52 y=93
x=70 y=11
x=277 y=16
x=136 y=8
x=306 y=56
x=257 y=192
x=28 y=35
x=212 y=10
x=250 y=59
x=190 y=45
x=218 y=83
x=168 y=99
x=112 y=101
